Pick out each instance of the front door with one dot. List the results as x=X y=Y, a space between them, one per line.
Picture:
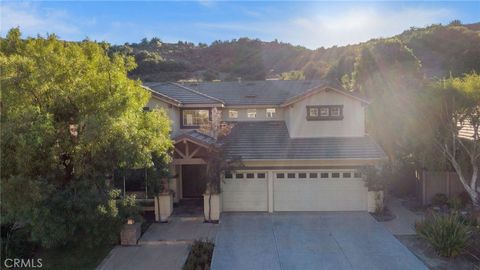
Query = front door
x=193 y=180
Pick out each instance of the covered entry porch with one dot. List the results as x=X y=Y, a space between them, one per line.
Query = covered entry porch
x=190 y=167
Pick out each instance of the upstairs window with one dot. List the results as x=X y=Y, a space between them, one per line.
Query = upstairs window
x=252 y=113
x=271 y=113
x=233 y=114
x=324 y=112
x=335 y=112
x=194 y=118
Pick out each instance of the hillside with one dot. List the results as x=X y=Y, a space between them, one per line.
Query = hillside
x=442 y=50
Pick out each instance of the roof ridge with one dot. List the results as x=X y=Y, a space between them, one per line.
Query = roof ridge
x=160 y=94
x=196 y=92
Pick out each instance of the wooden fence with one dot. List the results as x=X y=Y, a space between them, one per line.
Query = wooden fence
x=434 y=182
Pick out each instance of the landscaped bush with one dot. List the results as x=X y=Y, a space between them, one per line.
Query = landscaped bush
x=439 y=199
x=200 y=256
x=455 y=203
x=16 y=242
x=374 y=178
x=448 y=234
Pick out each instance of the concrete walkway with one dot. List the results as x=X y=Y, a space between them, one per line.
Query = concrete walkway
x=404 y=221
x=163 y=246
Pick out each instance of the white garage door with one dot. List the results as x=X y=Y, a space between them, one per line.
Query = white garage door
x=334 y=190
x=245 y=191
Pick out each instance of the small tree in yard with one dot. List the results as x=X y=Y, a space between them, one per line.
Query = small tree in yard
x=216 y=159
x=457 y=118
x=70 y=117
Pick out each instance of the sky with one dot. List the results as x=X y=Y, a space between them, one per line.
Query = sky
x=310 y=24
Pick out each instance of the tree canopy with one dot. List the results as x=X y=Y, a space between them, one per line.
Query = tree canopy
x=70 y=116
x=452 y=110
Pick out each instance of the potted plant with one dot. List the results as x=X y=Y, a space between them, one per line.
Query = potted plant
x=164 y=202
x=217 y=163
x=374 y=182
x=158 y=187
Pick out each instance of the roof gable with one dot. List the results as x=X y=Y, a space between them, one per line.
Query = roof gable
x=315 y=91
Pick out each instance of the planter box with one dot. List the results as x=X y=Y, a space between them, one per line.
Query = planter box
x=216 y=207
x=375 y=200
x=130 y=234
x=163 y=207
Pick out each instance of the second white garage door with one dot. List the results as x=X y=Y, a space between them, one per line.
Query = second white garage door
x=319 y=191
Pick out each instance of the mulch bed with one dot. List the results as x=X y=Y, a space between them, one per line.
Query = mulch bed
x=386 y=215
x=425 y=252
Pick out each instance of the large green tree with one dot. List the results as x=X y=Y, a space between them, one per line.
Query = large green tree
x=70 y=116
x=389 y=74
x=453 y=117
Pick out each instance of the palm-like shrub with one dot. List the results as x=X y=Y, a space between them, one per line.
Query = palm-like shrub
x=200 y=256
x=448 y=234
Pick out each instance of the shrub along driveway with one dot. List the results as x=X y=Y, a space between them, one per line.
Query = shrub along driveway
x=313 y=240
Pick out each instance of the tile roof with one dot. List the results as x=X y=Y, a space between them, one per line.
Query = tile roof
x=181 y=93
x=269 y=140
x=273 y=92
x=197 y=136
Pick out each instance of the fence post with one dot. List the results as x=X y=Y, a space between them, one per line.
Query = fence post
x=424 y=187
x=448 y=184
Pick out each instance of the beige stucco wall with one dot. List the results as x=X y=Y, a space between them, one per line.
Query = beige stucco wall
x=261 y=114
x=352 y=125
x=173 y=112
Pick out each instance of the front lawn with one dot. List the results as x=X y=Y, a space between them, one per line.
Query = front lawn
x=79 y=258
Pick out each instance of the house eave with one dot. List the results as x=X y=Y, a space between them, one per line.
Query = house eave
x=317 y=90
x=312 y=162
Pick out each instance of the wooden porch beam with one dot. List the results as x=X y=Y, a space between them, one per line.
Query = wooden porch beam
x=180 y=153
x=194 y=152
x=189 y=161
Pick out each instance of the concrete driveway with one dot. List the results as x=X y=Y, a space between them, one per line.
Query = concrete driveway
x=308 y=240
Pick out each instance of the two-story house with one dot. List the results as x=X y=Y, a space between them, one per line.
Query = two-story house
x=301 y=143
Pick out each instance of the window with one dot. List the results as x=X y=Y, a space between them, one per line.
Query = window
x=250 y=175
x=357 y=175
x=260 y=175
x=232 y=114
x=194 y=118
x=313 y=175
x=302 y=175
x=239 y=175
x=252 y=113
x=280 y=175
x=335 y=175
x=335 y=111
x=324 y=112
x=290 y=175
x=347 y=175
x=271 y=113
x=228 y=175
x=324 y=175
